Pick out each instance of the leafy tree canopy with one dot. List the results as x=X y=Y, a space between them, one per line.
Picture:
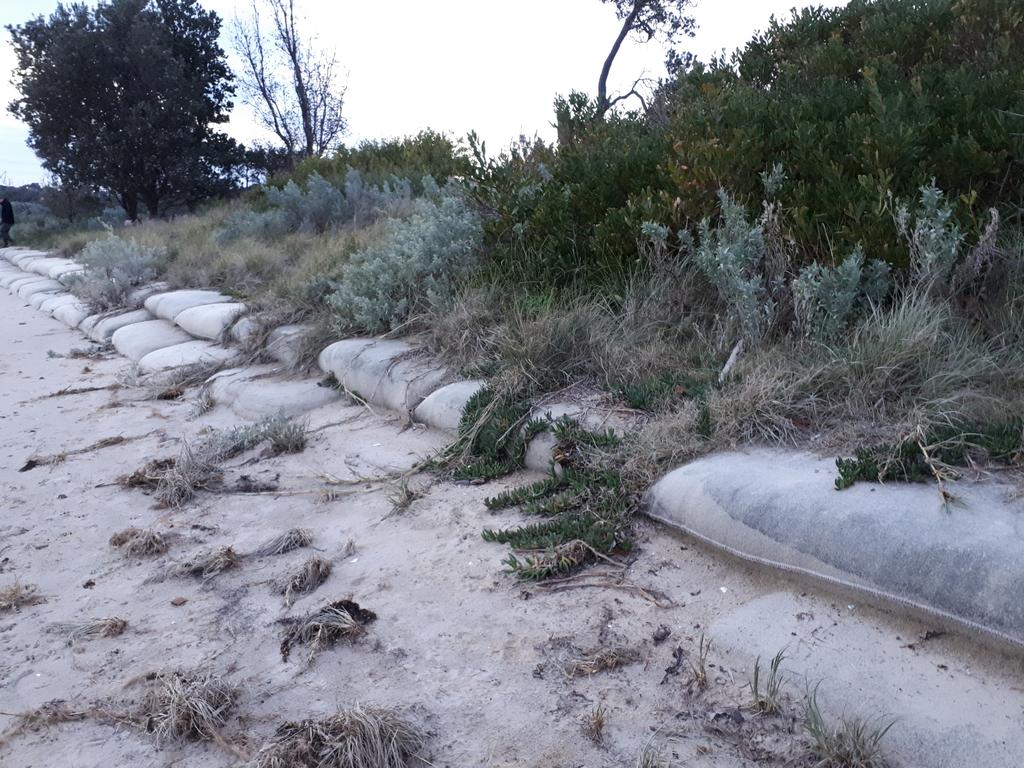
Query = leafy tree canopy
x=124 y=97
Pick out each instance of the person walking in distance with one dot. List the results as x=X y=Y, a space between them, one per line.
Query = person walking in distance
x=6 y=220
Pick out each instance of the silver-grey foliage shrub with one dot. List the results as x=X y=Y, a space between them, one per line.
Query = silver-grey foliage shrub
x=417 y=264
x=827 y=299
x=933 y=236
x=730 y=256
x=321 y=206
x=114 y=266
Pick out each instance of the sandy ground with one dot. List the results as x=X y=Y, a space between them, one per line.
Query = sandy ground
x=475 y=657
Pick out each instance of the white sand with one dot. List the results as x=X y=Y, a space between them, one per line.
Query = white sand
x=460 y=645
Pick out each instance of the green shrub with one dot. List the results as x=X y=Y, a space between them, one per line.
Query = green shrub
x=571 y=218
x=428 y=153
x=858 y=103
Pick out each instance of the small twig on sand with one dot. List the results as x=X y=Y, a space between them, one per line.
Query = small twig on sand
x=605 y=580
x=57 y=458
x=73 y=391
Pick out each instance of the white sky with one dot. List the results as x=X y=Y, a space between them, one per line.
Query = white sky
x=493 y=66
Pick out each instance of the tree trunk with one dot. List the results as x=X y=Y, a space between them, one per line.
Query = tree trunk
x=152 y=201
x=130 y=203
x=602 y=83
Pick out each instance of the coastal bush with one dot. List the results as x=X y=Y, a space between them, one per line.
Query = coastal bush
x=861 y=105
x=416 y=264
x=428 y=153
x=114 y=266
x=568 y=217
x=322 y=206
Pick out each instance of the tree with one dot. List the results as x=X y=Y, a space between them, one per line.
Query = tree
x=124 y=96
x=294 y=89
x=70 y=203
x=645 y=19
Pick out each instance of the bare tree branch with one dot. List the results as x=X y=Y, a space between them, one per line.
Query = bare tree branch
x=294 y=89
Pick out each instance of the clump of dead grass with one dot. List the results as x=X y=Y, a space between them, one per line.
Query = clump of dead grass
x=286 y=542
x=306 y=579
x=852 y=743
x=341 y=620
x=594 y=723
x=207 y=564
x=280 y=433
x=198 y=465
x=18 y=595
x=139 y=543
x=596 y=660
x=146 y=476
x=88 y=629
x=188 y=707
x=353 y=738
x=403 y=496
x=196 y=468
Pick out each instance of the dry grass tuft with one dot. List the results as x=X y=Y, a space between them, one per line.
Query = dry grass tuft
x=403 y=497
x=855 y=743
x=598 y=660
x=593 y=724
x=207 y=564
x=17 y=595
x=188 y=707
x=306 y=579
x=343 y=619
x=146 y=476
x=286 y=542
x=196 y=468
x=353 y=738
x=75 y=631
x=138 y=543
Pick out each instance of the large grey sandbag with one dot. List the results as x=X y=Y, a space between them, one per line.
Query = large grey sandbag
x=245 y=329
x=896 y=545
x=107 y=324
x=168 y=305
x=194 y=352
x=53 y=301
x=9 y=277
x=71 y=313
x=36 y=299
x=43 y=266
x=442 y=409
x=63 y=272
x=209 y=321
x=942 y=718
x=25 y=257
x=284 y=344
x=143 y=292
x=137 y=340
x=252 y=397
x=30 y=284
x=385 y=373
